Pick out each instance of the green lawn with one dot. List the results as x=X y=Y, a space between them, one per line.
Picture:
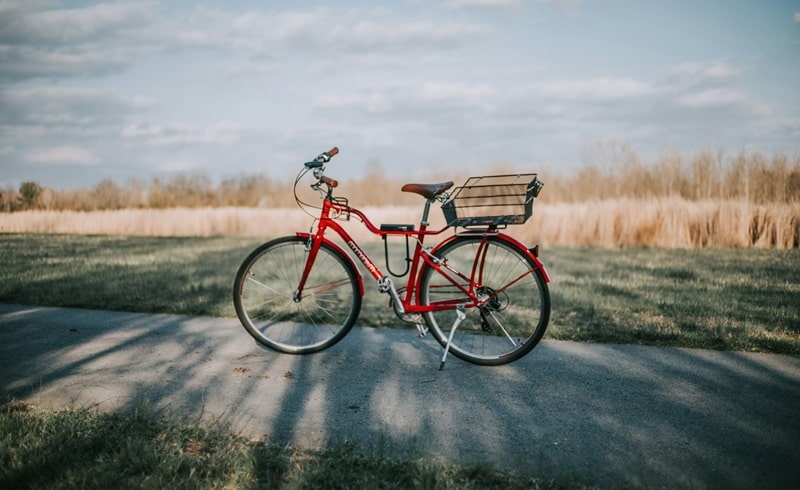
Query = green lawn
x=71 y=448
x=729 y=299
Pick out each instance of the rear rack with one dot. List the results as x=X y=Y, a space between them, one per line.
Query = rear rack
x=493 y=201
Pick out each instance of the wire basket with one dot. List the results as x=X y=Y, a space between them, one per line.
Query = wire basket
x=494 y=201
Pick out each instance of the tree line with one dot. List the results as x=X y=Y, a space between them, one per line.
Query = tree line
x=614 y=174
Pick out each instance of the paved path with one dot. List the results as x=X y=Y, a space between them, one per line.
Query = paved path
x=609 y=415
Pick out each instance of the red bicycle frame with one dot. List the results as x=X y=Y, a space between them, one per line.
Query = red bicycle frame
x=409 y=303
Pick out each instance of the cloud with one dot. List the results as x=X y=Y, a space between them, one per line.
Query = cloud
x=482 y=4
x=223 y=133
x=181 y=163
x=37 y=40
x=491 y=103
x=711 y=88
x=414 y=101
x=559 y=5
x=370 y=35
x=67 y=107
x=563 y=5
x=486 y=103
x=56 y=126
x=323 y=32
x=254 y=31
x=705 y=72
x=797 y=17
x=791 y=124
x=594 y=89
x=22 y=64
x=504 y=121
x=712 y=98
x=693 y=97
x=28 y=23
x=722 y=98
x=70 y=155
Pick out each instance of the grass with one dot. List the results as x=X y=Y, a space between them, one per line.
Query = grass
x=72 y=448
x=726 y=299
x=159 y=275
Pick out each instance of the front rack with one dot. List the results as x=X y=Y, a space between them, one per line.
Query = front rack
x=341 y=215
x=494 y=201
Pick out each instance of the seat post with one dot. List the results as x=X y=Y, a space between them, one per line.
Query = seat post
x=425 y=211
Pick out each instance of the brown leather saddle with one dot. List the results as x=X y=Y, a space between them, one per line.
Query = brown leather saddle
x=428 y=191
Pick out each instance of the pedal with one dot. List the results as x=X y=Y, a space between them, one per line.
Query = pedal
x=412 y=318
x=385 y=285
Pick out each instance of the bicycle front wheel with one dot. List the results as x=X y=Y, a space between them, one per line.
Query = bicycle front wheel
x=514 y=300
x=264 y=296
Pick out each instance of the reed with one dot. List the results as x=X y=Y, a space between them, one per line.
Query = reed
x=230 y=221
x=666 y=223
x=656 y=222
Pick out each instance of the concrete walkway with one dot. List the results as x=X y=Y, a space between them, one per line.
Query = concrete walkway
x=607 y=415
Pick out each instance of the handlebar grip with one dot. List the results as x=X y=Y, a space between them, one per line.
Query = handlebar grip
x=331 y=182
x=322 y=158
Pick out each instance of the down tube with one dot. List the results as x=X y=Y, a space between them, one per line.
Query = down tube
x=344 y=255
x=373 y=269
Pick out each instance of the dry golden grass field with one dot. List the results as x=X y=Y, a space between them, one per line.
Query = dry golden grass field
x=707 y=199
x=655 y=222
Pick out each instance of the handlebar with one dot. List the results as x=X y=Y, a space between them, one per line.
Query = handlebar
x=322 y=158
x=318 y=166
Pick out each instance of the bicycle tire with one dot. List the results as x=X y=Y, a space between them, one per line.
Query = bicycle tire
x=515 y=315
x=264 y=289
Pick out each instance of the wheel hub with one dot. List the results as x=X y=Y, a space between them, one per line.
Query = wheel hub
x=492 y=301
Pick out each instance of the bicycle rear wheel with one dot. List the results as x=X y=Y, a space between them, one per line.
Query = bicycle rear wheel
x=515 y=300
x=264 y=296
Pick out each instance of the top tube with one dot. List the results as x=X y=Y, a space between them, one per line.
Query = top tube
x=346 y=208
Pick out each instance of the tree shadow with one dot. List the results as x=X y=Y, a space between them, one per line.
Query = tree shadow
x=602 y=414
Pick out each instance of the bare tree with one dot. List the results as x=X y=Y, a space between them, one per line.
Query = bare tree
x=8 y=200
x=29 y=193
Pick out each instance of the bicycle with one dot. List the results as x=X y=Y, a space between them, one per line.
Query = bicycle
x=483 y=294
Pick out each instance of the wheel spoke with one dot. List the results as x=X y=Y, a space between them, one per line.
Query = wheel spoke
x=500 y=324
x=254 y=281
x=265 y=300
x=513 y=303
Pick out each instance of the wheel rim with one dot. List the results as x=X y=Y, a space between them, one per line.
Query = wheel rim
x=323 y=314
x=512 y=314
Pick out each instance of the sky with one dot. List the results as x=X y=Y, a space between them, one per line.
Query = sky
x=410 y=88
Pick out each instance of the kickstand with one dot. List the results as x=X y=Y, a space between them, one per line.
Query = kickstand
x=460 y=317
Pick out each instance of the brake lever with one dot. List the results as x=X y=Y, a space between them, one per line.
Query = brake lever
x=322 y=158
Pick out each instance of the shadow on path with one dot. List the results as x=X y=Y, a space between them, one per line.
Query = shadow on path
x=609 y=415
